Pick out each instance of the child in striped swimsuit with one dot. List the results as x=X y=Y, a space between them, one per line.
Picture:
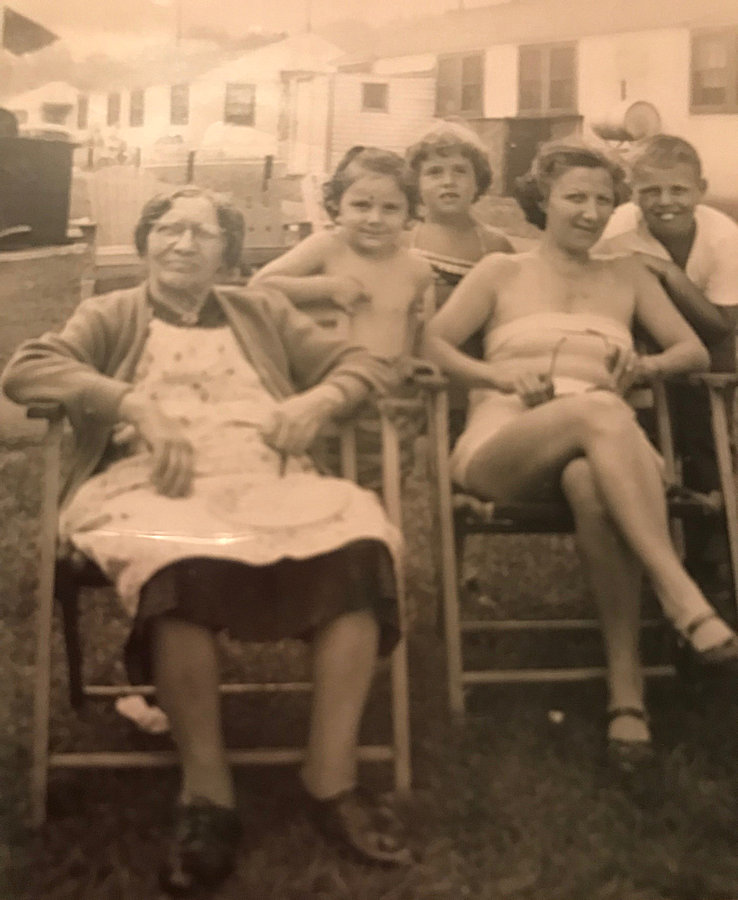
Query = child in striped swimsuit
x=452 y=171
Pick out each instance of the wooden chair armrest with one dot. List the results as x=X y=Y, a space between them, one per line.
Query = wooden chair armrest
x=395 y=405
x=317 y=303
x=714 y=379
x=427 y=376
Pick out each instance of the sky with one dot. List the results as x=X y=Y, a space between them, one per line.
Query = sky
x=89 y=26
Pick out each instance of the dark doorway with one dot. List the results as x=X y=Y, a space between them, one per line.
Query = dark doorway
x=523 y=138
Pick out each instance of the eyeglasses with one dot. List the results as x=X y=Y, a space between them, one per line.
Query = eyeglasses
x=173 y=231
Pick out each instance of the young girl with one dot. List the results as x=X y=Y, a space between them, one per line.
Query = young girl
x=451 y=171
x=361 y=265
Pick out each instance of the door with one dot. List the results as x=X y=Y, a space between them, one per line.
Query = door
x=524 y=136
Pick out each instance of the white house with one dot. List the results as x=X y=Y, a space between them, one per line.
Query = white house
x=525 y=70
x=329 y=113
x=236 y=106
x=50 y=109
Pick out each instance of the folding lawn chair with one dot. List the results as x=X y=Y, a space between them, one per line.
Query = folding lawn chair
x=460 y=515
x=63 y=578
x=116 y=196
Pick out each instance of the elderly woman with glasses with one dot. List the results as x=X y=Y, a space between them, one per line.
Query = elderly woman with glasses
x=194 y=407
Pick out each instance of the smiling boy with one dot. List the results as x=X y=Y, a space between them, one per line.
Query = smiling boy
x=693 y=250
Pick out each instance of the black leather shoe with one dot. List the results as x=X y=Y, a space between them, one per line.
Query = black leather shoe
x=720 y=660
x=629 y=758
x=359 y=824
x=203 y=847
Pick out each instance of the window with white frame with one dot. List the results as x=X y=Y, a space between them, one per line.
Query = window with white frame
x=375 y=96
x=83 y=111
x=113 y=112
x=714 y=71
x=136 y=111
x=460 y=85
x=547 y=79
x=179 y=108
x=240 y=104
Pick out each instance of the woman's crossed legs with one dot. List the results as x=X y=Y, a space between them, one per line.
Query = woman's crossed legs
x=531 y=455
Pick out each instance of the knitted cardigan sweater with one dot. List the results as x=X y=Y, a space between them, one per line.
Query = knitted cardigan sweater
x=90 y=364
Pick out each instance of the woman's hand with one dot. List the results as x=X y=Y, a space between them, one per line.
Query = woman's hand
x=294 y=424
x=172 y=455
x=638 y=370
x=647 y=368
x=534 y=388
x=624 y=368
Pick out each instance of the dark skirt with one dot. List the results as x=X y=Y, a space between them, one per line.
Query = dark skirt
x=288 y=599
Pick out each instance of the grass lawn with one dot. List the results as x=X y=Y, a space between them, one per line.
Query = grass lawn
x=514 y=803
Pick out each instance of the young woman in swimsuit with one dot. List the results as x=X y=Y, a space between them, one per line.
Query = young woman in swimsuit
x=547 y=414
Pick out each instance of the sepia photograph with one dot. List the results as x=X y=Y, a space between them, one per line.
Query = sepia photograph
x=368 y=450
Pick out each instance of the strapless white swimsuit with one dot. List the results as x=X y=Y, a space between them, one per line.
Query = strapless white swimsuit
x=567 y=340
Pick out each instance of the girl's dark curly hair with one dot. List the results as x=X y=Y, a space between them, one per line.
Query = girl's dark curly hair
x=359 y=161
x=552 y=160
x=447 y=138
x=230 y=220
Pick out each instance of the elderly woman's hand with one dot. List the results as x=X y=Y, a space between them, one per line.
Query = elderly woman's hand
x=295 y=422
x=172 y=455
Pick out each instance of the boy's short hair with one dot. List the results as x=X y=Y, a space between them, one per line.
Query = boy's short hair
x=452 y=137
x=359 y=161
x=663 y=151
x=551 y=161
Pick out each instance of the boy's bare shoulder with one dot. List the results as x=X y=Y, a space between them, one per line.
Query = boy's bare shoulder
x=326 y=239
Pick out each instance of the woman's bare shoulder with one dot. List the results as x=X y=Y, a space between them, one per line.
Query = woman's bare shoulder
x=494 y=240
x=621 y=266
x=504 y=264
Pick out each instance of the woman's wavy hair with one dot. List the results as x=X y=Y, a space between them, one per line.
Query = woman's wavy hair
x=229 y=217
x=452 y=137
x=359 y=161
x=551 y=161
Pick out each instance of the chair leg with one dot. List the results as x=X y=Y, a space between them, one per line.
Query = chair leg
x=67 y=594
x=449 y=577
x=44 y=615
x=391 y=490
x=41 y=708
x=721 y=436
x=401 y=717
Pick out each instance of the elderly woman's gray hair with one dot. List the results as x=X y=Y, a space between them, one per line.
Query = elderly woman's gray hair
x=229 y=218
